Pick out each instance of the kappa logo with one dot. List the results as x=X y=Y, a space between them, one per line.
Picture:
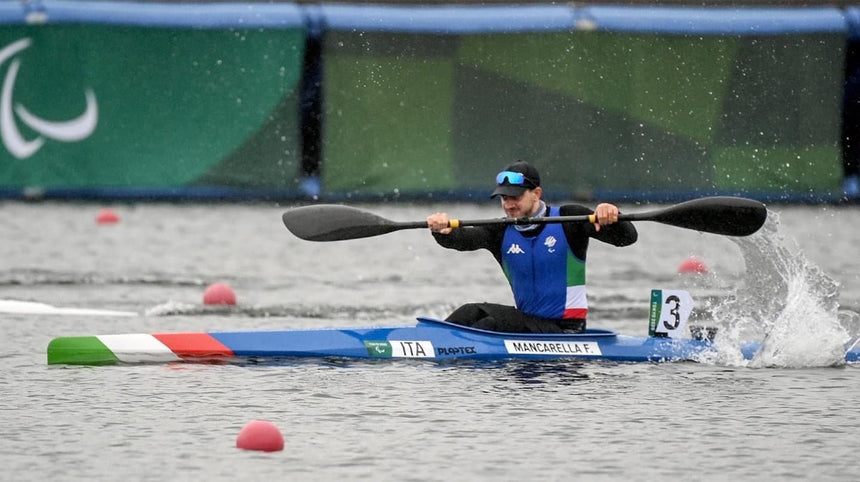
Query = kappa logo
x=71 y=130
x=515 y=249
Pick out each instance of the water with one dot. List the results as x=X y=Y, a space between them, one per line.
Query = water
x=790 y=413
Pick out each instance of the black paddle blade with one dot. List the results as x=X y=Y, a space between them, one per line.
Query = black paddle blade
x=730 y=216
x=331 y=222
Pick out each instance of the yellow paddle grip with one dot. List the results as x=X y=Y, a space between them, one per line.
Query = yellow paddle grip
x=592 y=218
x=454 y=223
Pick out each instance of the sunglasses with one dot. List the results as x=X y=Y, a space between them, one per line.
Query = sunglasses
x=514 y=178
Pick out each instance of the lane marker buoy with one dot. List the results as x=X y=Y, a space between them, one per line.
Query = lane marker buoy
x=260 y=435
x=219 y=294
x=107 y=216
x=692 y=265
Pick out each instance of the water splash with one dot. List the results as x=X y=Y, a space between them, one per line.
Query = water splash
x=786 y=301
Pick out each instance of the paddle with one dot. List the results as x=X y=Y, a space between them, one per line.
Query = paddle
x=731 y=216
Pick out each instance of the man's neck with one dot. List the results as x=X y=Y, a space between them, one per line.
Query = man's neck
x=539 y=212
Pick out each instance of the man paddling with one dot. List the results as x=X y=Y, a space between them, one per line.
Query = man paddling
x=544 y=263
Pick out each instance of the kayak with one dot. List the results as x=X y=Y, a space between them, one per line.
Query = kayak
x=429 y=339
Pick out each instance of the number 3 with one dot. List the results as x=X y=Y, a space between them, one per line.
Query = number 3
x=674 y=312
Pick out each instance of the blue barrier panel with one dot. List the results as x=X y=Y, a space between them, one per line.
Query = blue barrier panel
x=11 y=12
x=215 y=15
x=447 y=19
x=712 y=21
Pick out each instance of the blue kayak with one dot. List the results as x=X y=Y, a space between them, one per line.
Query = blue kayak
x=428 y=339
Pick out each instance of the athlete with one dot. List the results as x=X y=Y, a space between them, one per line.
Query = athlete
x=544 y=263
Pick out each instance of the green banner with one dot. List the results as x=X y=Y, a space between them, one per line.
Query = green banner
x=594 y=111
x=153 y=107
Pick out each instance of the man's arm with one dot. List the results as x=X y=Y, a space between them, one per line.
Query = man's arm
x=469 y=239
x=466 y=238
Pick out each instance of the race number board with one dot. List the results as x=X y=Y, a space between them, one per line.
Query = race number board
x=669 y=312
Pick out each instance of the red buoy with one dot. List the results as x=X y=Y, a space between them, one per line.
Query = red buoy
x=260 y=435
x=107 y=216
x=692 y=265
x=219 y=294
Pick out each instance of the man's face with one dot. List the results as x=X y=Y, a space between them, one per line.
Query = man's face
x=524 y=205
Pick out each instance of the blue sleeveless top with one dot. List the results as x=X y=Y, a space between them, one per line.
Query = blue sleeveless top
x=547 y=280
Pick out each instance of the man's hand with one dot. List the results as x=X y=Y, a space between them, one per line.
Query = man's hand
x=606 y=214
x=438 y=223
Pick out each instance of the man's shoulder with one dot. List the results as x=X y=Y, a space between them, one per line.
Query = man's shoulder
x=495 y=231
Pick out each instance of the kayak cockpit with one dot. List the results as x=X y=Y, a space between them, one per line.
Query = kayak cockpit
x=588 y=333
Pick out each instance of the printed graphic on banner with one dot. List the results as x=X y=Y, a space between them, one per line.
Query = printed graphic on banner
x=669 y=312
x=71 y=130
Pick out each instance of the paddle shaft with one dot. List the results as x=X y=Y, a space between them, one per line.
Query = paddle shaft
x=525 y=221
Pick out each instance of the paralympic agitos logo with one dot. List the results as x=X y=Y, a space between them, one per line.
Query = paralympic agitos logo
x=71 y=130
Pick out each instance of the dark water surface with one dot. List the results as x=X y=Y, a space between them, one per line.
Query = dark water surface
x=790 y=413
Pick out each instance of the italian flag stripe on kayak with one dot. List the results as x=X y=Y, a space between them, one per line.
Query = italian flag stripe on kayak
x=138 y=348
x=194 y=345
x=80 y=350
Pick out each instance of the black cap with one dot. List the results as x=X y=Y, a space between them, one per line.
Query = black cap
x=531 y=180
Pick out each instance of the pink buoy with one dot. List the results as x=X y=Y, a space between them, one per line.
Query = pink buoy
x=692 y=265
x=219 y=294
x=260 y=435
x=107 y=216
